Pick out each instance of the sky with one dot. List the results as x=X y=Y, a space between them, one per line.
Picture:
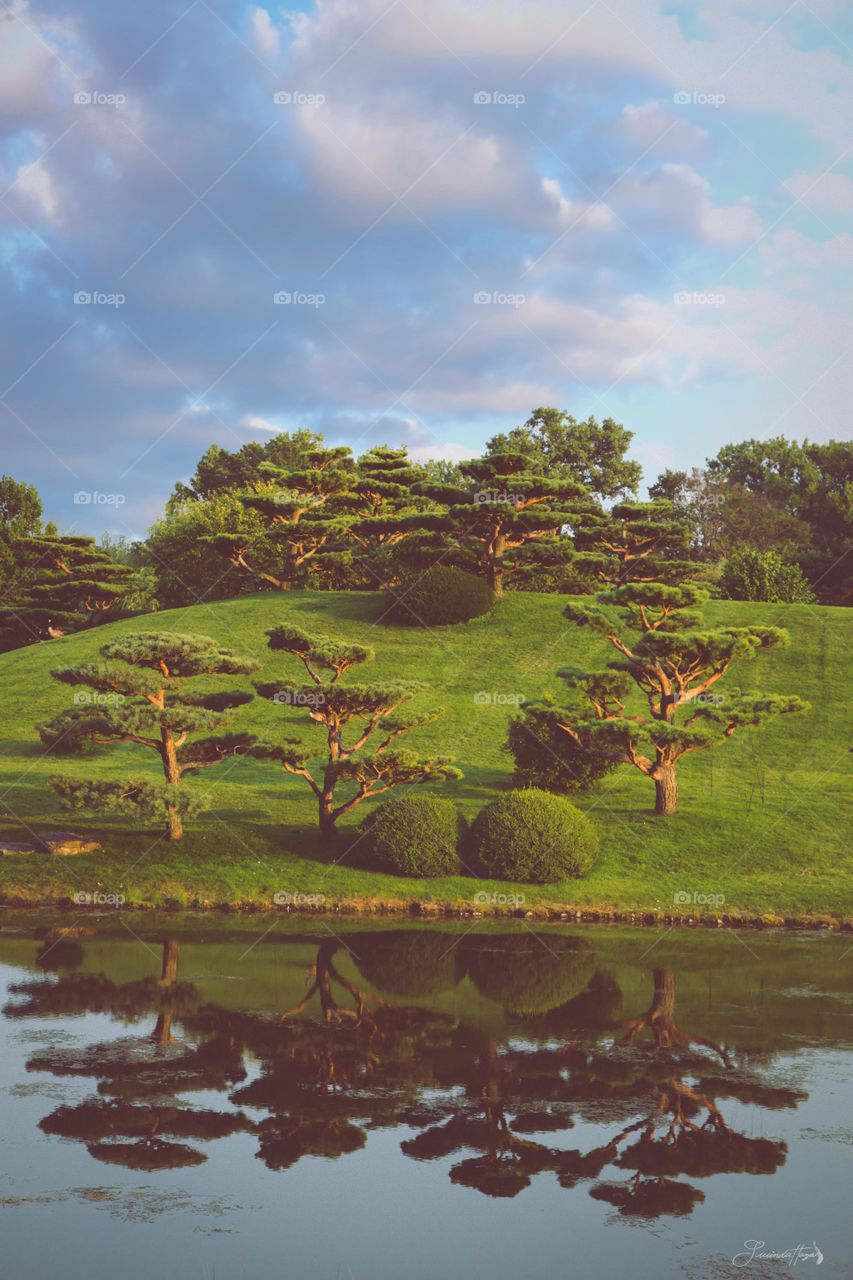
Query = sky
x=414 y=221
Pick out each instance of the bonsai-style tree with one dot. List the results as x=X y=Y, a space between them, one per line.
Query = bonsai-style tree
x=141 y=696
x=636 y=542
x=383 y=484
x=308 y=514
x=507 y=507
x=62 y=584
x=370 y=709
x=656 y=630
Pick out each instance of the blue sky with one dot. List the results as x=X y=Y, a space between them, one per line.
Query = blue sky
x=639 y=210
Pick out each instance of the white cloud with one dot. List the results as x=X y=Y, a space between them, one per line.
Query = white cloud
x=255 y=423
x=265 y=38
x=831 y=191
x=34 y=183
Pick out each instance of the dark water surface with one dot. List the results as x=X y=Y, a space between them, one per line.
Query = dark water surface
x=321 y=1100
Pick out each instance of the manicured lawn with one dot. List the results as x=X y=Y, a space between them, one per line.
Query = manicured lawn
x=764 y=820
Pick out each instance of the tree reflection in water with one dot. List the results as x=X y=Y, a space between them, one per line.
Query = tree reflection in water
x=356 y=1054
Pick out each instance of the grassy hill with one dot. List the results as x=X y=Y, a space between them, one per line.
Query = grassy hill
x=764 y=819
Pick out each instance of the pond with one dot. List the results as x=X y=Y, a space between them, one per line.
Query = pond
x=325 y=1099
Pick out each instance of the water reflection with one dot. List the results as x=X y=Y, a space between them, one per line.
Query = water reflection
x=379 y=1039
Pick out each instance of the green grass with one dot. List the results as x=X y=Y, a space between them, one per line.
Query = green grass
x=764 y=819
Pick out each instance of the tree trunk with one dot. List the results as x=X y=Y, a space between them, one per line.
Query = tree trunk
x=172 y=773
x=326 y=814
x=496 y=566
x=666 y=791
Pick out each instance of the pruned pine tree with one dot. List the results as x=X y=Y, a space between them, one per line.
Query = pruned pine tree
x=141 y=695
x=308 y=512
x=361 y=725
x=61 y=584
x=505 y=508
x=675 y=664
x=636 y=542
x=383 y=506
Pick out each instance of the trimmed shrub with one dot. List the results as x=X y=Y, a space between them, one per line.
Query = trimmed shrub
x=546 y=757
x=533 y=836
x=440 y=597
x=414 y=835
x=530 y=975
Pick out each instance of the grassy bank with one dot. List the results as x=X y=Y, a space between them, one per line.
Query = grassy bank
x=762 y=831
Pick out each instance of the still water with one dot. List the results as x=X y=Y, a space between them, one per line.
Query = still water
x=322 y=1100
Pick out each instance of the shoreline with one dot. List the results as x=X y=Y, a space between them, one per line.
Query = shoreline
x=416 y=909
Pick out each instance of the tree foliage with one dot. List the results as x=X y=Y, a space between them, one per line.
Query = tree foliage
x=749 y=574
x=675 y=664
x=361 y=725
x=60 y=584
x=140 y=696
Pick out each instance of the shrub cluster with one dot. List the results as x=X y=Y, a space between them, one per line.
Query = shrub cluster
x=440 y=597
x=529 y=835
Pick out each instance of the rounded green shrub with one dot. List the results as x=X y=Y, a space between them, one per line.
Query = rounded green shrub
x=440 y=597
x=533 y=836
x=414 y=835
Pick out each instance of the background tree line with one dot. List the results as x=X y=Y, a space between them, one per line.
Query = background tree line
x=551 y=505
